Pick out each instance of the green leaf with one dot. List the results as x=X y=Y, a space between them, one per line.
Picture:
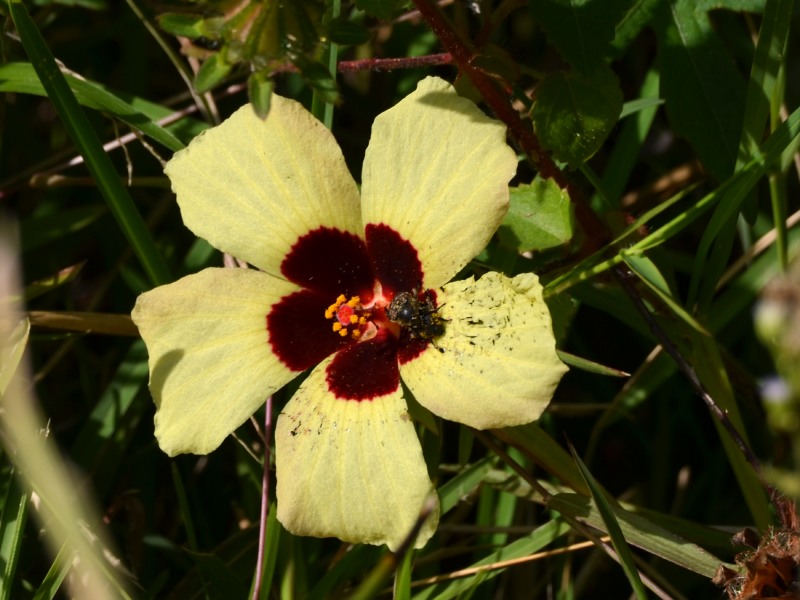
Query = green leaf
x=464 y=483
x=525 y=546
x=589 y=365
x=191 y=26
x=319 y=78
x=618 y=540
x=539 y=217
x=639 y=532
x=85 y=138
x=704 y=92
x=648 y=272
x=347 y=33
x=39 y=231
x=12 y=527
x=635 y=19
x=271 y=549
x=136 y=112
x=573 y=114
x=382 y=9
x=220 y=581
x=582 y=30
x=259 y=90
x=213 y=72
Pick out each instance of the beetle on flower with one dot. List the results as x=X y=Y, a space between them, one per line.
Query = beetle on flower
x=330 y=261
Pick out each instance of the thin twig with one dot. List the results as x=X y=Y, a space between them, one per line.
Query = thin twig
x=262 y=526
x=691 y=375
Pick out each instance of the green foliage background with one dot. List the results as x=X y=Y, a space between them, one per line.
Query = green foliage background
x=666 y=132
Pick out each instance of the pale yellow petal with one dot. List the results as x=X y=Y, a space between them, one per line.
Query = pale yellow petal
x=349 y=469
x=498 y=366
x=253 y=187
x=437 y=171
x=211 y=365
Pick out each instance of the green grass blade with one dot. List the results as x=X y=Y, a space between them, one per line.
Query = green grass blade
x=271 y=547
x=464 y=483
x=542 y=450
x=55 y=575
x=402 y=578
x=639 y=532
x=647 y=271
x=85 y=138
x=12 y=526
x=538 y=539
x=612 y=527
x=136 y=112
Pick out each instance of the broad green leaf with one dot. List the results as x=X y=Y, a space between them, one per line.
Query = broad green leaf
x=573 y=113
x=582 y=30
x=704 y=92
x=539 y=218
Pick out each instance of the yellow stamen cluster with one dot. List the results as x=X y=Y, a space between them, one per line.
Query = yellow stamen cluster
x=357 y=319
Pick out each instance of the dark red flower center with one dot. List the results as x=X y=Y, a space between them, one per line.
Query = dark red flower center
x=346 y=286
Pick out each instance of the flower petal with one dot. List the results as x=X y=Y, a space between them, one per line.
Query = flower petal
x=253 y=188
x=211 y=364
x=437 y=171
x=350 y=469
x=498 y=365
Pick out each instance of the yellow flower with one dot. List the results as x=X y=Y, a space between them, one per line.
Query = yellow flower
x=354 y=287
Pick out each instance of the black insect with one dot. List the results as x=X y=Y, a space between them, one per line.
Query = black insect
x=417 y=314
x=207 y=43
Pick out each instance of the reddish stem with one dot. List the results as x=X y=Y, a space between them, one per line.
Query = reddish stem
x=389 y=64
